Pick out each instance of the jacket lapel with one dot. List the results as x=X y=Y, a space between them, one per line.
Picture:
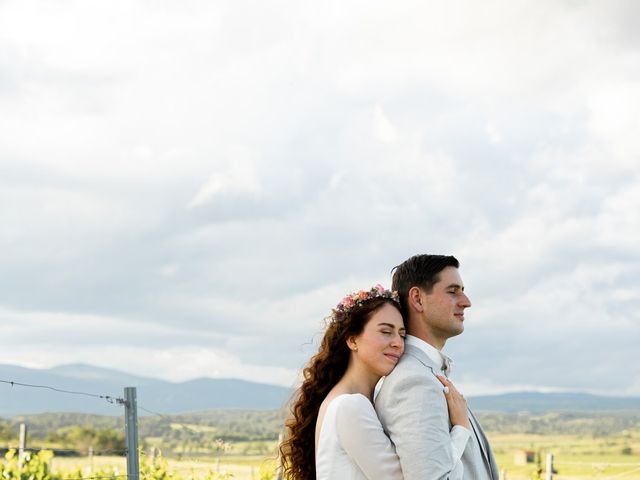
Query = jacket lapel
x=483 y=442
x=422 y=358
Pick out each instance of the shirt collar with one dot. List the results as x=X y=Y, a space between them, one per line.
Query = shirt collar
x=432 y=352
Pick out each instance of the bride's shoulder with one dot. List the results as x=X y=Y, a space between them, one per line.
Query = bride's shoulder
x=351 y=405
x=349 y=402
x=338 y=407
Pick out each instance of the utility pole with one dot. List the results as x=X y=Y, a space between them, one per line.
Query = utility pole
x=131 y=432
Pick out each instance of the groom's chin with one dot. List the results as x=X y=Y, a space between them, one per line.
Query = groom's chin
x=457 y=331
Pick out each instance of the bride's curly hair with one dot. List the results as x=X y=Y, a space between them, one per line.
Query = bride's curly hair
x=297 y=451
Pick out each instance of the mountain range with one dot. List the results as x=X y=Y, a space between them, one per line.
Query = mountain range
x=155 y=395
x=160 y=396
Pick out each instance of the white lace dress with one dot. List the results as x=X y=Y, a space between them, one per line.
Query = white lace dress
x=352 y=444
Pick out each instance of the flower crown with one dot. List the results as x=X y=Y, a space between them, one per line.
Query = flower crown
x=358 y=298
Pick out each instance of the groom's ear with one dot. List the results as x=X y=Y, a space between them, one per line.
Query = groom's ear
x=415 y=299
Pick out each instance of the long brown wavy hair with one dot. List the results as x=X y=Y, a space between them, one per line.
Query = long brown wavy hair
x=325 y=369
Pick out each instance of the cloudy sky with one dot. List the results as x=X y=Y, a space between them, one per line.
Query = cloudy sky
x=186 y=188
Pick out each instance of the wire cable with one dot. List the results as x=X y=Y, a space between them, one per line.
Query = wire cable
x=108 y=398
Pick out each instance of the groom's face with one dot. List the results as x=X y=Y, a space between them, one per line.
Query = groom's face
x=444 y=306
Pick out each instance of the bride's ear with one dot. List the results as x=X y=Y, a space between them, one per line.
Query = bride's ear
x=415 y=299
x=351 y=343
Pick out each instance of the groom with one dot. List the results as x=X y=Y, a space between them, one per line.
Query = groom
x=411 y=403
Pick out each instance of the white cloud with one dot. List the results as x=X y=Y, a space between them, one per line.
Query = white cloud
x=225 y=173
x=126 y=345
x=385 y=130
x=239 y=178
x=493 y=133
x=189 y=362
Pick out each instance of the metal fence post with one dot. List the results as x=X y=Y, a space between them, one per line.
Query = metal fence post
x=90 y=459
x=279 y=469
x=23 y=445
x=131 y=432
x=549 y=473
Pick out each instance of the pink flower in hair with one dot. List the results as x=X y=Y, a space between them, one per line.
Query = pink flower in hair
x=348 y=301
x=357 y=298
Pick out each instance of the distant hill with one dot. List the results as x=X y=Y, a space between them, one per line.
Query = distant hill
x=152 y=394
x=208 y=394
x=202 y=429
x=539 y=403
x=170 y=430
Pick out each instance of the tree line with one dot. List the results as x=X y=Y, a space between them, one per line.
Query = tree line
x=204 y=429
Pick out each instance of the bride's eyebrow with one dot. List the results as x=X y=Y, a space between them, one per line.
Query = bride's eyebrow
x=385 y=324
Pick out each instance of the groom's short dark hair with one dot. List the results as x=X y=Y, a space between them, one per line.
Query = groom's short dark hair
x=419 y=271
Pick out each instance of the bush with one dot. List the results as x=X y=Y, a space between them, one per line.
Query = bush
x=34 y=466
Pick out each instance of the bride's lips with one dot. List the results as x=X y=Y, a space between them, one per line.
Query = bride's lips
x=392 y=356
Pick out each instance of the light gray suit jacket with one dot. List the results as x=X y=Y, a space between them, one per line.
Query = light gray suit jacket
x=413 y=412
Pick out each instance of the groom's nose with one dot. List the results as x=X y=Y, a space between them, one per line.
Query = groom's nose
x=464 y=301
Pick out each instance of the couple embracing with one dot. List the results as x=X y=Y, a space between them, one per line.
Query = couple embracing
x=418 y=426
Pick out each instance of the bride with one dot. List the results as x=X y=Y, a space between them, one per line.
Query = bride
x=334 y=432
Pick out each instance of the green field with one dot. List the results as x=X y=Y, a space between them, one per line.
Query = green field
x=575 y=456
